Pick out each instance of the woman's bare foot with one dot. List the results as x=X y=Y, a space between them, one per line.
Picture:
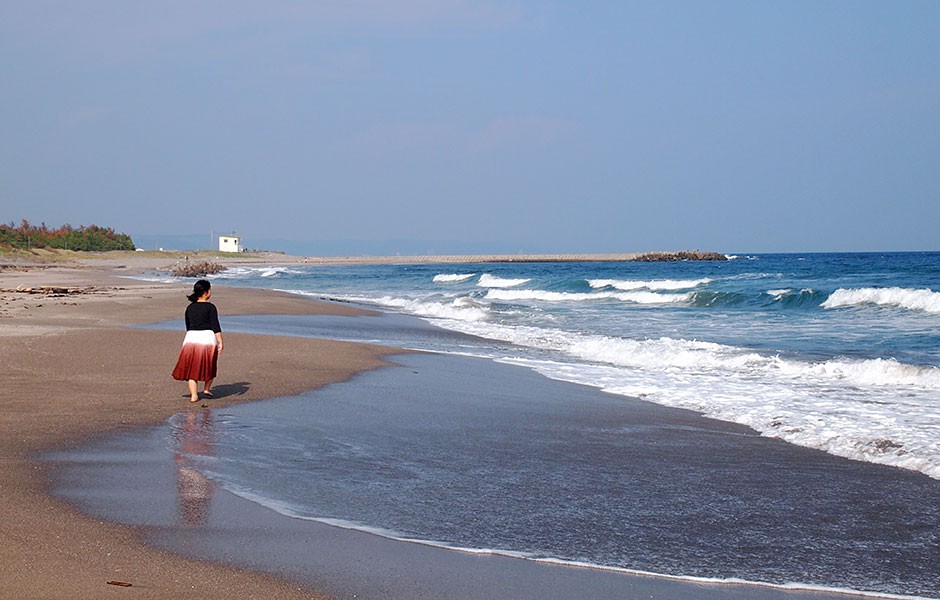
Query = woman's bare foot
x=207 y=393
x=193 y=390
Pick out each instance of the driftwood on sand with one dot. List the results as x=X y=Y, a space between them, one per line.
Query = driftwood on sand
x=196 y=268
x=53 y=290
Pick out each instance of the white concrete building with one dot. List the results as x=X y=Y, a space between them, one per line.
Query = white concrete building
x=230 y=243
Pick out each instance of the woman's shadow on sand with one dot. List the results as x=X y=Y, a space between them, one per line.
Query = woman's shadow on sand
x=225 y=390
x=230 y=389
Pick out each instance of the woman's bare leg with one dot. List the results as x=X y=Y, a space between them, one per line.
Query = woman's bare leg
x=208 y=387
x=193 y=391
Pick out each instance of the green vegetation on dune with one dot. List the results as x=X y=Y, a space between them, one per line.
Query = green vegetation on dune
x=86 y=238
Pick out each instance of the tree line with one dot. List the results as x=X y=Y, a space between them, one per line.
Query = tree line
x=89 y=238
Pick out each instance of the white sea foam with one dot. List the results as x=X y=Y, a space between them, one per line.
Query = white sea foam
x=637 y=297
x=875 y=372
x=876 y=410
x=460 y=309
x=452 y=277
x=492 y=281
x=272 y=272
x=656 y=284
x=912 y=299
x=778 y=293
x=240 y=272
x=154 y=277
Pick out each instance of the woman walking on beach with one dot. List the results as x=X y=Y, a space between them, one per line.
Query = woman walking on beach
x=199 y=356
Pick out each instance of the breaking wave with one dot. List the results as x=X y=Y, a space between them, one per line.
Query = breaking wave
x=911 y=299
x=656 y=284
x=265 y=272
x=453 y=277
x=638 y=297
x=459 y=309
x=492 y=281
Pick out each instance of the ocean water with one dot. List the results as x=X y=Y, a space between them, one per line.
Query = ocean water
x=836 y=353
x=839 y=352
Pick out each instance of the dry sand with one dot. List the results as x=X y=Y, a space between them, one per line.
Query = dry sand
x=71 y=369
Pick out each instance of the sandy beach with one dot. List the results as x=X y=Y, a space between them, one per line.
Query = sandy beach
x=74 y=371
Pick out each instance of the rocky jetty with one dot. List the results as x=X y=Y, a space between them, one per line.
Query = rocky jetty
x=682 y=255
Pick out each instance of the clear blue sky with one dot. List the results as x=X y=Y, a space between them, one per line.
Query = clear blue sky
x=444 y=126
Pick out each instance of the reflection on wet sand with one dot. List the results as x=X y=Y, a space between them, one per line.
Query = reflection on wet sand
x=193 y=437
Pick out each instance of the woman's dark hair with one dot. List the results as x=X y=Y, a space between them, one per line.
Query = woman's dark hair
x=199 y=288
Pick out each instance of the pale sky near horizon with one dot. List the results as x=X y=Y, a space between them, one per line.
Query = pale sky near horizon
x=451 y=126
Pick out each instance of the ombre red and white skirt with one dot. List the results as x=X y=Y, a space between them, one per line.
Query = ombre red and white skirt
x=199 y=357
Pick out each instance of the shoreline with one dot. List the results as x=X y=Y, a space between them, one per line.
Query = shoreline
x=59 y=330
x=360 y=562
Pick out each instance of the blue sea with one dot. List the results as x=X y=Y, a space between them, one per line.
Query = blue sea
x=812 y=457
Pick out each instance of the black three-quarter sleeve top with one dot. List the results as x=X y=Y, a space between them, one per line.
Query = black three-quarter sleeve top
x=201 y=316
